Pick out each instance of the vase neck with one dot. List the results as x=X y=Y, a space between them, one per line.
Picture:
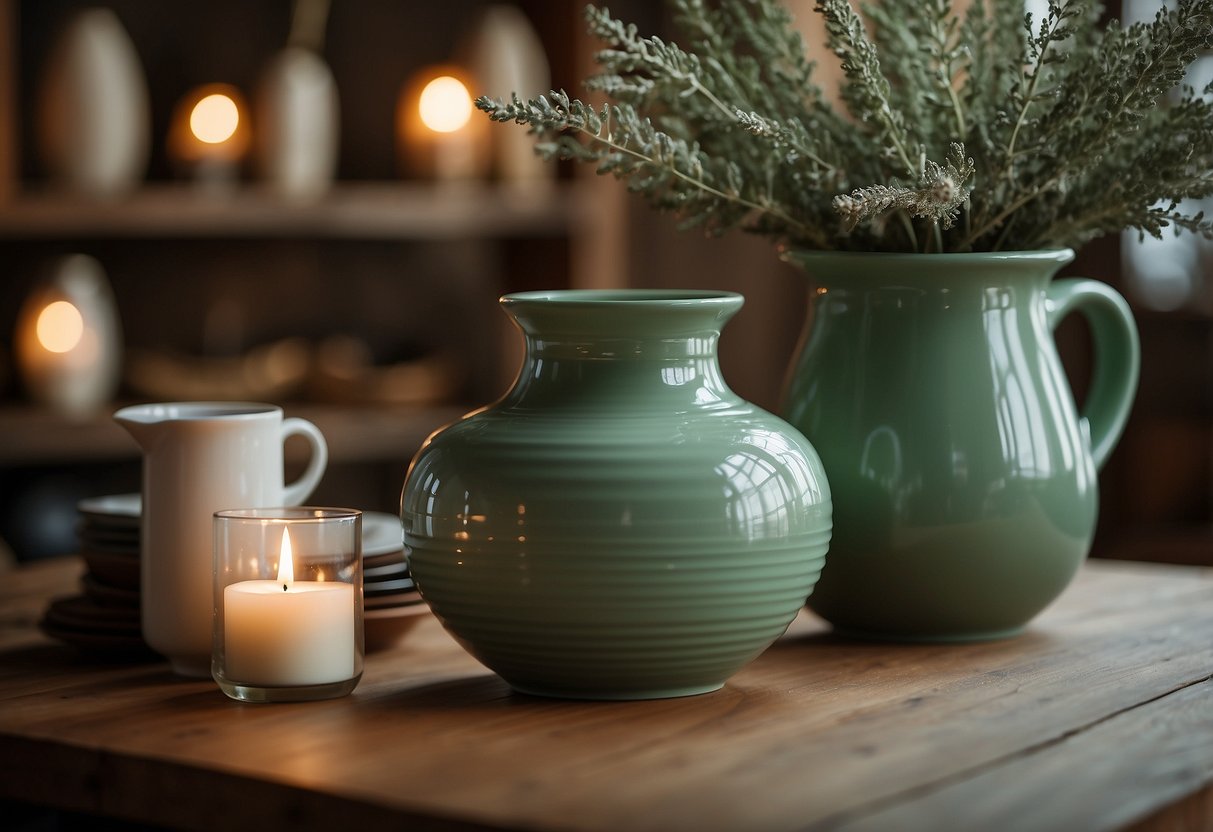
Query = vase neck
x=573 y=347
x=623 y=348
x=687 y=381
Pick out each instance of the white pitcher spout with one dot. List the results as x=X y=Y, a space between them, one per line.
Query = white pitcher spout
x=144 y=422
x=147 y=422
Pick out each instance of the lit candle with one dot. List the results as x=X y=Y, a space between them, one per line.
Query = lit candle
x=288 y=633
x=68 y=339
x=209 y=133
x=440 y=138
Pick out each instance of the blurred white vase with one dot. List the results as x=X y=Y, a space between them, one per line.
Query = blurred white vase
x=68 y=344
x=94 y=123
x=297 y=124
x=505 y=55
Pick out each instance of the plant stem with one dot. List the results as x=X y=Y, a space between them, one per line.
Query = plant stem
x=908 y=225
x=1008 y=164
x=1027 y=99
x=962 y=131
x=810 y=233
x=1110 y=120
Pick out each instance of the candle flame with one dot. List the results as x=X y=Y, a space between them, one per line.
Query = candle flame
x=214 y=119
x=286 y=566
x=445 y=104
x=60 y=327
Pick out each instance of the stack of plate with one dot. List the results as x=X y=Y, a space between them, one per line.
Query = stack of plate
x=392 y=605
x=105 y=618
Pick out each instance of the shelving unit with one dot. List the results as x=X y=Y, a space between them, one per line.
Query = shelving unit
x=350 y=211
x=483 y=238
x=429 y=242
x=354 y=434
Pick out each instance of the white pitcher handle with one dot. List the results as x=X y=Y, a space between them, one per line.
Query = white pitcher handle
x=302 y=488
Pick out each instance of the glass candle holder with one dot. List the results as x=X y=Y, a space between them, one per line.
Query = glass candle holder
x=288 y=603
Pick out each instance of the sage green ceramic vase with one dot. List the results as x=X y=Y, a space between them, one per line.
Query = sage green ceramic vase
x=620 y=525
x=964 y=478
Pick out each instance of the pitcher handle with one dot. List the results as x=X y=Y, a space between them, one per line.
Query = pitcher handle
x=1117 y=355
x=301 y=489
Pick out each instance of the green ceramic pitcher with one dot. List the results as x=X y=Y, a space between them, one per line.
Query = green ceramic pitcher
x=964 y=477
x=620 y=525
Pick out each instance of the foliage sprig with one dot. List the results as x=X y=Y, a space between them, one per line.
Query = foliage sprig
x=1050 y=132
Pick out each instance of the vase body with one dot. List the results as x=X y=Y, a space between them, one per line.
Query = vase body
x=505 y=53
x=964 y=477
x=620 y=525
x=94 y=116
x=298 y=124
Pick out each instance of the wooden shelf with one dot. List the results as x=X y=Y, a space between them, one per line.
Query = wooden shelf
x=352 y=210
x=35 y=436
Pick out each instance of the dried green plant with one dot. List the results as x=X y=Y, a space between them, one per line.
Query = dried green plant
x=977 y=132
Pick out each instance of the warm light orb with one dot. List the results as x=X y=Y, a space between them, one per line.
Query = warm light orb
x=445 y=105
x=214 y=119
x=60 y=327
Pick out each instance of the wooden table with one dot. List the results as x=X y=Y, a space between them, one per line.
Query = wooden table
x=1100 y=717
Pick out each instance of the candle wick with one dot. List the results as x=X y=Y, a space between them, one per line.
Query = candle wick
x=284 y=587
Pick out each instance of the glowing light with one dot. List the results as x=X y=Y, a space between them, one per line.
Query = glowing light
x=286 y=558
x=214 y=119
x=445 y=105
x=60 y=327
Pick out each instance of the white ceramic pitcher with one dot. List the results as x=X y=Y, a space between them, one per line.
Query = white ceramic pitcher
x=199 y=458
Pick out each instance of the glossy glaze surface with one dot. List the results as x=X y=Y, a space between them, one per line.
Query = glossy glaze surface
x=964 y=481
x=621 y=524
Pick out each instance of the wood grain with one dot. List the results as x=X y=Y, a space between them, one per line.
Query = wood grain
x=1101 y=715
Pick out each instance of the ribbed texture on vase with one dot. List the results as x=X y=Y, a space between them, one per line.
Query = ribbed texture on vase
x=653 y=620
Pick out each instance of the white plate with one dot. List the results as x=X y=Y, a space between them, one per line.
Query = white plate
x=381 y=532
x=113 y=511
x=118 y=505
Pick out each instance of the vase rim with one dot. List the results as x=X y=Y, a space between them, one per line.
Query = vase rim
x=664 y=298
x=1061 y=256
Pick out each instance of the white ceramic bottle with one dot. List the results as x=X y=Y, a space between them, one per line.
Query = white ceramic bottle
x=297 y=124
x=298 y=111
x=94 y=123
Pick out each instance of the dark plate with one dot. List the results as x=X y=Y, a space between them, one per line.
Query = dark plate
x=398 y=599
x=385 y=559
x=104 y=534
x=113 y=547
x=80 y=613
x=372 y=588
x=109 y=596
x=106 y=644
x=83 y=607
x=121 y=571
x=387 y=572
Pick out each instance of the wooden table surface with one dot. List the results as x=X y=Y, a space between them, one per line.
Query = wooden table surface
x=1099 y=717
